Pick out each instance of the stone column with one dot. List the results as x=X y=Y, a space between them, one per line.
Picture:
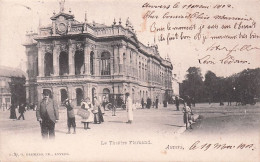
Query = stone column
x=41 y=53
x=121 y=52
x=87 y=51
x=27 y=88
x=112 y=64
x=72 y=48
x=56 y=95
x=70 y=93
x=115 y=53
x=39 y=94
x=86 y=91
x=128 y=65
x=56 y=64
x=96 y=63
x=53 y=28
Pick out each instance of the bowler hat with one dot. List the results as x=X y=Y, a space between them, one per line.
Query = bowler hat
x=46 y=92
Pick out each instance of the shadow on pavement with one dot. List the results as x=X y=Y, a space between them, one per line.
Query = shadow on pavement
x=175 y=125
x=116 y=121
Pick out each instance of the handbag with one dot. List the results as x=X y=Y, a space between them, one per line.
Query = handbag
x=83 y=113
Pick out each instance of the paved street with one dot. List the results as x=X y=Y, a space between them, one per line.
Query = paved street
x=226 y=120
x=147 y=139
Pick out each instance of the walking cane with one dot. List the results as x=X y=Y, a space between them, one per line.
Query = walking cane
x=40 y=126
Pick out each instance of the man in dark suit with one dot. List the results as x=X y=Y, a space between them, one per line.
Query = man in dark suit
x=156 y=102
x=21 y=111
x=47 y=114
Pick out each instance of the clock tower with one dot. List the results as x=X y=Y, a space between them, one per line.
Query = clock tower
x=61 y=22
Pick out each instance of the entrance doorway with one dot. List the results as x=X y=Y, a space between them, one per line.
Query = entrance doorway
x=79 y=96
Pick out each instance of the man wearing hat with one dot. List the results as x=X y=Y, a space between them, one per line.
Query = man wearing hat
x=47 y=114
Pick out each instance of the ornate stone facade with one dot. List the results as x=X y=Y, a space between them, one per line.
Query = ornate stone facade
x=80 y=60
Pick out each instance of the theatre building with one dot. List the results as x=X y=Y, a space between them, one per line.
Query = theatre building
x=82 y=59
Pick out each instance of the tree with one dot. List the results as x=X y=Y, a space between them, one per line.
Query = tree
x=193 y=84
x=210 y=85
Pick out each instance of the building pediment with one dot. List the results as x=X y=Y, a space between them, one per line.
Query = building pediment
x=62 y=14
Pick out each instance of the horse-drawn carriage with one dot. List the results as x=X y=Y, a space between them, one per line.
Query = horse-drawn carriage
x=115 y=101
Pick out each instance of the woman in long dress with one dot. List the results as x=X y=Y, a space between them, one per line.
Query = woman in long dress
x=87 y=106
x=97 y=111
x=129 y=108
x=187 y=115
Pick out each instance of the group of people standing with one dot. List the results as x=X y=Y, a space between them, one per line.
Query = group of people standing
x=93 y=111
x=48 y=115
x=149 y=103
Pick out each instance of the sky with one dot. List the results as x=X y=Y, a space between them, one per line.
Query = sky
x=19 y=16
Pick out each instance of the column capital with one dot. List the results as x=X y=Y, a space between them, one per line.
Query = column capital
x=56 y=43
x=79 y=46
x=64 y=47
x=49 y=48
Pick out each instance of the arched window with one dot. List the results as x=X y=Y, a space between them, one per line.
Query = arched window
x=48 y=64
x=140 y=71
x=64 y=63
x=106 y=93
x=91 y=63
x=79 y=62
x=63 y=95
x=105 y=63
x=124 y=62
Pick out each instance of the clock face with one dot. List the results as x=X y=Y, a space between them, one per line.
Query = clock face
x=61 y=28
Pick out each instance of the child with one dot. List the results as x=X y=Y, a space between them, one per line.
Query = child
x=187 y=115
x=71 y=116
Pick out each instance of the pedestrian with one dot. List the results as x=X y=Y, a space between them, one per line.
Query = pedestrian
x=47 y=114
x=177 y=103
x=149 y=103
x=95 y=111
x=88 y=107
x=187 y=115
x=12 y=111
x=70 y=116
x=142 y=102
x=104 y=103
x=21 y=110
x=156 y=102
x=129 y=108
x=99 y=114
